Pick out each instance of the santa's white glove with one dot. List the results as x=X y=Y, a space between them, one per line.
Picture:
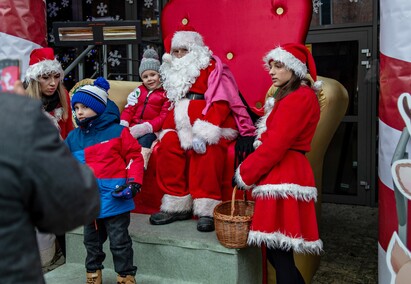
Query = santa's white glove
x=141 y=129
x=199 y=145
x=132 y=98
x=124 y=123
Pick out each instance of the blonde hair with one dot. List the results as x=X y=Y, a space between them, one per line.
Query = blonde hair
x=34 y=91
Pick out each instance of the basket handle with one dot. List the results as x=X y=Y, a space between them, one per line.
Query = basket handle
x=233 y=199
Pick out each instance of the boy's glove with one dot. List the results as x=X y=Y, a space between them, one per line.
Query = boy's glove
x=139 y=130
x=126 y=191
x=199 y=145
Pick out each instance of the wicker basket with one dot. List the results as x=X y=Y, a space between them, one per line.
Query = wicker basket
x=232 y=221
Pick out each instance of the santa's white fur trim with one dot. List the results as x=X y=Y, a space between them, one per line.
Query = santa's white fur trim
x=186 y=39
x=164 y=132
x=44 y=67
x=204 y=206
x=183 y=125
x=239 y=180
x=167 y=57
x=289 y=60
x=283 y=242
x=173 y=204
x=285 y=190
x=212 y=133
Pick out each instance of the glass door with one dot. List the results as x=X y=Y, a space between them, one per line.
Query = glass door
x=345 y=55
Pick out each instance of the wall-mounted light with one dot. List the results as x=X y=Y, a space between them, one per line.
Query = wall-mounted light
x=96 y=33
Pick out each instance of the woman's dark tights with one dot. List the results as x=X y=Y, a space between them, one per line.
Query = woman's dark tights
x=284 y=265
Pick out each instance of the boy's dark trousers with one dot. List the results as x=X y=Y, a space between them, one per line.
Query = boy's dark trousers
x=116 y=229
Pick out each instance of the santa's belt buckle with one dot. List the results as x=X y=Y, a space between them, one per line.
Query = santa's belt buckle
x=195 y=96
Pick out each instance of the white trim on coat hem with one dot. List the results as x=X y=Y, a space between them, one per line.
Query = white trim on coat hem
x=284 y=190
x=283 y=242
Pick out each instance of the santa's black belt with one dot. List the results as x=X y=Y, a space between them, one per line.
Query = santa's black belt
x=299 y=151
x=194 y=96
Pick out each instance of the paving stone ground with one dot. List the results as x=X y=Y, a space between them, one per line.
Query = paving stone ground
x=350 y=237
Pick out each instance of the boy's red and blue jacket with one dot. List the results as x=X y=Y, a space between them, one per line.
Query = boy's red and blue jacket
x=113 y=154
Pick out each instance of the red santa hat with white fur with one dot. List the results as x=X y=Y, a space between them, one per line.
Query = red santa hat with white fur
x=185 y=37
x=42 y=62
x=296 y=57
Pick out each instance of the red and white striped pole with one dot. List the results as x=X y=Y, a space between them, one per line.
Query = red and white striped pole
x=395 y=79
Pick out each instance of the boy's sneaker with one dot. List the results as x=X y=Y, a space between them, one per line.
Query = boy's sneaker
x=94 y=277
x=126 y=279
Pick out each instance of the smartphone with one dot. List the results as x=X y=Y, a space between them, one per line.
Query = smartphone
x=9 y=74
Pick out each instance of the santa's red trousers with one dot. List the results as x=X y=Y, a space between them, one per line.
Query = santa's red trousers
x=181 y=172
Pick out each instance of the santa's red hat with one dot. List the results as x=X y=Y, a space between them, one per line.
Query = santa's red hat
x=42 y=62
x=185 y=37
x=296 y=57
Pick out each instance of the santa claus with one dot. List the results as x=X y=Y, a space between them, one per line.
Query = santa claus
x=207 y=114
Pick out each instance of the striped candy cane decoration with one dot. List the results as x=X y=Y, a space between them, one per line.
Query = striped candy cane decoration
x=395 y=79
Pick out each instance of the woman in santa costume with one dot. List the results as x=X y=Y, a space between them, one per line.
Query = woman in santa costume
x=44 y=80
x=278 y=172
x=207 y=114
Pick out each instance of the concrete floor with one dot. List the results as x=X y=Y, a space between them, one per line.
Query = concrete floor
x=350 y=237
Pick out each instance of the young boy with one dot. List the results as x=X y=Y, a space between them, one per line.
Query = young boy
x=147 y=111
x=115 y=157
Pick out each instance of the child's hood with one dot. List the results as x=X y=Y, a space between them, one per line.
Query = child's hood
x=109 y=116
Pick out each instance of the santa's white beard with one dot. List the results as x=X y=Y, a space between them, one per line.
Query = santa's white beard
x=179 y=74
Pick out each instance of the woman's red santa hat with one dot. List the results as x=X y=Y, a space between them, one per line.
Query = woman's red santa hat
x=296 y=57
x=42 y=62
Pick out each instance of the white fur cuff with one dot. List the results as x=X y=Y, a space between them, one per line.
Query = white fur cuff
x=173 y=204
x=239 y=180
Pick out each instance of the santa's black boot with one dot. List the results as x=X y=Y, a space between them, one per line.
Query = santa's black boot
x=162 y=218
x=205 y=224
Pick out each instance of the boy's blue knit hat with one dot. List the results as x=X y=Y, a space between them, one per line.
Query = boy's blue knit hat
x=93 y=96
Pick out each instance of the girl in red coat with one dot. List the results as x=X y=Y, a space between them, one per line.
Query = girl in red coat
x=44 y=80
x=278 y=172
x=147 y=105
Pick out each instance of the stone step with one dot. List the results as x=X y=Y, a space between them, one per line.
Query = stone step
x=173 y=253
